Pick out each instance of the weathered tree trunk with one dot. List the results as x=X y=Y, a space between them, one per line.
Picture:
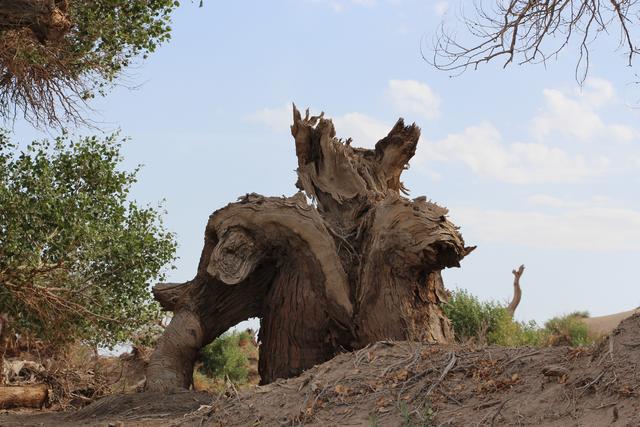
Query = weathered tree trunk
x=24 y=396
x=360 y=264
x=47 y=19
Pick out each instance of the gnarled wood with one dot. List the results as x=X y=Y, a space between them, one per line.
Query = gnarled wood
x=360 y=264
x=168 y=294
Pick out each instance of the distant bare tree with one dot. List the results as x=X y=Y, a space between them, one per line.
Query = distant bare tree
x=532 y=31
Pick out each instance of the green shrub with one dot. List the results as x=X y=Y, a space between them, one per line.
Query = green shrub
x=224 y=357
x=511 y=333
x=472 y=318
x=568 y=330
x=491 y=323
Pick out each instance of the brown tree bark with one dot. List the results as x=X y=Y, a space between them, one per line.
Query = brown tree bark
x=24 y=396
x=359 y=264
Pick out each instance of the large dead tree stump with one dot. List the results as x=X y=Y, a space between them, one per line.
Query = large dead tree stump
x=358 y=264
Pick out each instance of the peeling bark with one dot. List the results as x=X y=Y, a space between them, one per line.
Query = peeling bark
x=360 y=264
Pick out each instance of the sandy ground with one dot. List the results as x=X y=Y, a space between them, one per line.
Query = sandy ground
x=408 y=384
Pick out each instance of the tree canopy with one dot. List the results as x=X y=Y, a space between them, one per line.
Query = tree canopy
x=525 y=31
x=76 y=256
x=57 y=54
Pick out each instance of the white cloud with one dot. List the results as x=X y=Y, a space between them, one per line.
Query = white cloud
x=441 y=7
x=412 y=97
x=576 y=116
x=482 y=150
x=590 y=226
x=364 y=130
x=278 y=119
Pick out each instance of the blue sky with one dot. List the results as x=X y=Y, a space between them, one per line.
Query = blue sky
x=534 y=168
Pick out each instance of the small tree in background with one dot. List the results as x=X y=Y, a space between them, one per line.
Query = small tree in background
x=224 y=357
x=76 y=256
x=56 y=54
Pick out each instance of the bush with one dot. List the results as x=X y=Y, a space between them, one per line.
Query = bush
x=512 y=333
x=491 y=323
x=472 y=318
x=568 y=330
x=224 y=357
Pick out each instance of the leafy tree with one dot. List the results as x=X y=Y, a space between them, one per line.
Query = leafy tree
x=525 y=31
x=56 y=54
x=76 y=256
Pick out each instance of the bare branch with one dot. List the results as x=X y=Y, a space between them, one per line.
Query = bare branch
x=532 y=31
x=517 y=291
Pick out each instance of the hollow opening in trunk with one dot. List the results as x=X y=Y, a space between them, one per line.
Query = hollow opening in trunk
x=233 y=356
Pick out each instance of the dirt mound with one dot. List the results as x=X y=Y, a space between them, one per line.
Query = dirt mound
x=412 y=384
x=417 y=384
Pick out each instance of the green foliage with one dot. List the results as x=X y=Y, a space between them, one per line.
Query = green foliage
x=48 y=81
x=76 y=256
x=569 y=330
x=224 y=357
x=472 y=318
x=512 y=333
x=107 y=34
x=491 y=323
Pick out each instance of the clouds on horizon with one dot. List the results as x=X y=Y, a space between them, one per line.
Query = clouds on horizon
x=565 y=118
x=577 y=115
x=596 y=225
x=482 y=150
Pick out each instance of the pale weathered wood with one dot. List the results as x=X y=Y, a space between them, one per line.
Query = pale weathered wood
x=517 y=291
x=23 y=396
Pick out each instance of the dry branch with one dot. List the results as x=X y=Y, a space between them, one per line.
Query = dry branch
x=517 y=291
x=525 y=31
